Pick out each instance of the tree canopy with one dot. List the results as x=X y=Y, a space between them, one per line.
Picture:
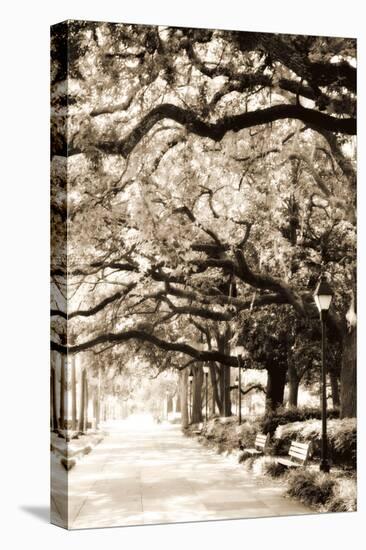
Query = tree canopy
x=201 y=179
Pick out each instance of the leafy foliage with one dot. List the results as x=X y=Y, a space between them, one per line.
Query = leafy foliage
x=342 y=438
x=344 y=498
x=270 y=422
x=172 y=221
x=325 y=492
x=274 y=469
x=310 y=487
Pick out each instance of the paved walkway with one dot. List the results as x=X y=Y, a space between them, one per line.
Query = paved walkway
x=156 y=475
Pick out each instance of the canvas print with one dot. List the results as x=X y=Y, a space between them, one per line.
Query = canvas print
x=203 y=274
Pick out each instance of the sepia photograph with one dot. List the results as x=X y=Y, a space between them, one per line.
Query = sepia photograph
x=203 y=274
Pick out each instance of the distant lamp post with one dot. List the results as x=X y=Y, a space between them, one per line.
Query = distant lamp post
x=205 y=370
x=323 y=297
x=190 y=380
x=239 y=352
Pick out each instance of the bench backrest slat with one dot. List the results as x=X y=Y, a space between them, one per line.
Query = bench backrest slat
x=300 y=445
x=299 y=451
x=295 y=454
x=261 y=441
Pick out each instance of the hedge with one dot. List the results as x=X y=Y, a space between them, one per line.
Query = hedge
x=326 y=492
x=227 y=434
x=342 y=439
x=270 y=422
x=310 y=487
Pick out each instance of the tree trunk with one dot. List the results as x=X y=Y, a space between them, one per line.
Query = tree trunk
x=169 y=404
x=227 y=404
x=98 y=399
x=197 y=395
x=86 y=403
x=54 y=401
x=95 y=410
x=82 y=403
x=62 y=393
x=214 y=389
x=335 y=388
x=224 y=400
x=221 y=386
x=276 y=381
x=224 y=347
x=348 y=375
x=73 y=395
x=165 y=407
x=174 y=404
x=183 y=387
x=293 y=393
x=293 y=381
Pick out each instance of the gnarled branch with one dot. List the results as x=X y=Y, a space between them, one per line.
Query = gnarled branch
x=216 y=130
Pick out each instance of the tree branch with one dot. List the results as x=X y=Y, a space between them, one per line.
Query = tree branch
x=215 y=131
x=257 y=387
x=93 y=310
x=125 y=336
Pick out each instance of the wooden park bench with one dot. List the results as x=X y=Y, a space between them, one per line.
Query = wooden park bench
x=298 y=453
x=260 y=445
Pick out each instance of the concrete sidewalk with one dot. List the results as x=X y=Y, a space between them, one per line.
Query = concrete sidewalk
x=156 y=475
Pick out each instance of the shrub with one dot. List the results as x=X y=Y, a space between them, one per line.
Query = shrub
x=249 y=462
x=281 y=416
x=221 y=448
x=247 y=432
x=326 y=491
x=228 y=435
x=214 y=429
x=312 y=488
x=244 y=455
x=344 y=498
x=342 y=438
x=274 y=469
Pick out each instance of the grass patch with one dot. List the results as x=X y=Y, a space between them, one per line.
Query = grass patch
x=312 y=488
x=244 y=456
x=274 y=469
x=249 y=462
x=334 y=492
x=344 y=498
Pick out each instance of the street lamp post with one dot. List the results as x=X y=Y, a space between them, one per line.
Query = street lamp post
x=205 y=370
x=190 y=379
x=323 y=296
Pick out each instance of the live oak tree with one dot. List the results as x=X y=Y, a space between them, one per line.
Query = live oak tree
x=210 y=174
x=287 y=346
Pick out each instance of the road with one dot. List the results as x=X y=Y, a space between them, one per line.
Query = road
x=153 y=474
